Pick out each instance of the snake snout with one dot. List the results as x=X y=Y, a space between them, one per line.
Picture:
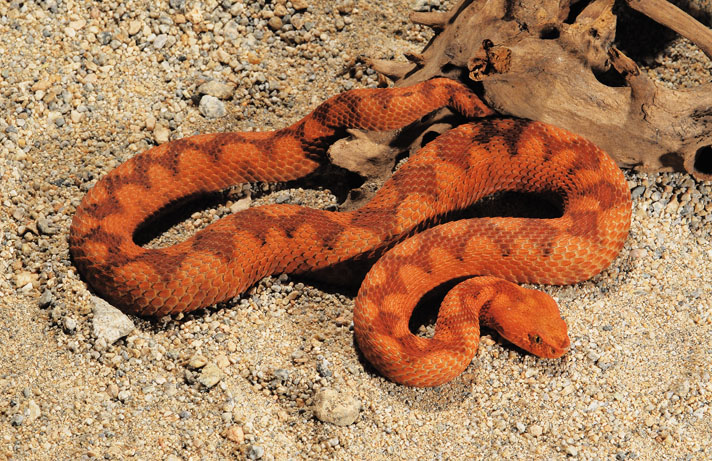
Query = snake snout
x=562 y=348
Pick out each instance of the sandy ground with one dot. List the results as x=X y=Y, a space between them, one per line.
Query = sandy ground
x=86 y=85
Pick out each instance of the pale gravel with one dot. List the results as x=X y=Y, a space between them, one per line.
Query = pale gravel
x=238 y=381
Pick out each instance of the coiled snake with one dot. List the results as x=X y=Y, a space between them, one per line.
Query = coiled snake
x=450 y=173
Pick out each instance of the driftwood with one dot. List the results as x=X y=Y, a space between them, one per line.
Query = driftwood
x=553 y=61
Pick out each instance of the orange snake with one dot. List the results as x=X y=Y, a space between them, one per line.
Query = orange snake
x=450 y=173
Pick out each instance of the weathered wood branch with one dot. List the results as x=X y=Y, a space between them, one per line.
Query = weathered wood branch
x=435 y=20
x=674 y=18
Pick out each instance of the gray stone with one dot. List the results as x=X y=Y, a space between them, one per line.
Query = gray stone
x=110 y=323
x=45 y=300
x=160 y=41
x=255 y=452
x=177 y=4
x=323 y=367
x=17 y=420
x=637 y=191
x=44 y=227
x=70 y=325
x=211 y=107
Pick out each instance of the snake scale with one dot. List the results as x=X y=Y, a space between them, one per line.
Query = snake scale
x=458 y=168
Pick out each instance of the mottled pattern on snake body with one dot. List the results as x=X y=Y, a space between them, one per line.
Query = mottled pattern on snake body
x=449 y=174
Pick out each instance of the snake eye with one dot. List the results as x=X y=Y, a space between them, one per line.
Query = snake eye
x=537 y=339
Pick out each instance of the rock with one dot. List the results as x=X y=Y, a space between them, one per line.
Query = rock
x=255 y=452
x=211 y=107
x=535 y=430
x=300 y=4
x=110 y=324
x=33 y=412
x=281 y=375
x=150 y=122
x=177 y=4
x=42 y=85
x=44 y=227
x=222 y=361
x=45 y=300
x=421 y=5
x=218 y=89
x=78 y=24
x=345 y=6
x=17 y=420
x=160 y=41
x=197 y=361
x=194 y=15
x=113 y=390
x=323 y=366
x=24 y=278
x=161 y=133
x=336 y=408
x=280 y=10
x=235 y=434
x=104 y=37
x=231 y=30
x=70 y=325
x=134 y=27
x=637 y=192
x=275 y=23
x=210 y=375
x=242 y=204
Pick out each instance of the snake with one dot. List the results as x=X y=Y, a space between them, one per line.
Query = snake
x=404 y=228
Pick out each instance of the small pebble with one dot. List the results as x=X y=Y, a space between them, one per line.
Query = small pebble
x=161 y=133
x=109 y=323
x=160 y=41
x=255 y=452
x=44 y=227
x=336 y=408
x=197 y=361
x=33 y=412
x=217 y=89
x=210 y=375
x=212 y=107
x=70 y=325
x=235 y=434
x=17 y=420
x=45 y=299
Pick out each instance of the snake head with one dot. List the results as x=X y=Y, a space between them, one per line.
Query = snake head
x=529 y=319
